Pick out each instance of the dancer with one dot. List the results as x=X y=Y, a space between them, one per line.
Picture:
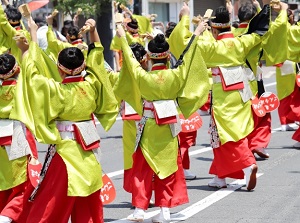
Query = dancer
x=71 y=177
x=157 y=157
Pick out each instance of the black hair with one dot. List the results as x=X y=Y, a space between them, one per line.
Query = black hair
x=170 y=28
x=138 y=51
x=73 y=32
x=158 y=44
x=133 y=24
x=67 y=25
x=40 y=21
x=7 y=62
x=13 y=14
x=246 y=12
x=222 y=16
x=71 y=57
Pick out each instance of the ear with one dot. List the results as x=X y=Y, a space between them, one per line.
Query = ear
x=18 y=70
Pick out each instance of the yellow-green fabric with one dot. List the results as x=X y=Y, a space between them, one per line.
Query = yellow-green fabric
x=159 y=147
x=293 y=43
x=49 y=100
x=55 y=45
x=8 y=32
x=14 y=172
x=129 y=129
x=181 y=32
x=129 y=135
x=239 y=31
x=143 y=23
x=285 y=84
x=275 y=41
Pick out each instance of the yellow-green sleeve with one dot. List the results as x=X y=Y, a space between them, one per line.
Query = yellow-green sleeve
x=8 y=32
x=181 y=32
x=107 y=104
x=276 y=36
x=127 y=86
x=115 y=44
x=39 y=99
x=55 y=45
x=293 y=43
x=143 y=23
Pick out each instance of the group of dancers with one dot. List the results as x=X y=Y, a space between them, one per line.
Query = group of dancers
x=53 y=95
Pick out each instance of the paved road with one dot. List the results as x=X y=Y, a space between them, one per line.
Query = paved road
x=276 y=198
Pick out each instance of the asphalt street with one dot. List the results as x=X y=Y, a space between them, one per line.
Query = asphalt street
x=276 y=198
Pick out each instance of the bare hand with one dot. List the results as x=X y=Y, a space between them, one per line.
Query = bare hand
x=185 y=10
x=32 y=26
x=202 y=26
x=49 y=20
x=22 y=44
x=229 y=6
x=91 y=23
x=256 y=3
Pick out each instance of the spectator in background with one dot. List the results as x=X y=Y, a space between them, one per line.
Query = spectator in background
x=65 y=28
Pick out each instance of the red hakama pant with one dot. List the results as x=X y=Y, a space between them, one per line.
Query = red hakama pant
x=186 y=140
x=231 y=158
x=261 y=134
x=52 y=204
x=169 y=192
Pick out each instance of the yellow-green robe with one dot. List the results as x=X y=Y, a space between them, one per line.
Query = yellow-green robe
x=143 y=23
x=45 y=101
x=233 y=117
x=129 y=130
x=55 y=45
x=8 y=32
x=183 y=84
x=14 y=172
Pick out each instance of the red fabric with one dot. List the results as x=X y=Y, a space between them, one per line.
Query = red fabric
x=206 y=106
x=243 y=25
x=6 y=140
x=9 y=82
x=284 y=109
x=127 y=180
x=72 y=79
x=261 y=134
x=225 y=36
x=169 y=192
x=52 y=204
x=296 y=135
x=14 y=202
x=231 y=158
x=159 y=67
x=186 y=140
x=295 y=105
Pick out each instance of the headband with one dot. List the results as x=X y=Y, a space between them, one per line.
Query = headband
x=10 y=73
x=162 y=55
x=217 y=25
x=13 y=22
x=71 y=72
x=131 y=29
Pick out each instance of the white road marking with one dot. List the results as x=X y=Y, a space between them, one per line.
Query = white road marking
x=198 y=206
